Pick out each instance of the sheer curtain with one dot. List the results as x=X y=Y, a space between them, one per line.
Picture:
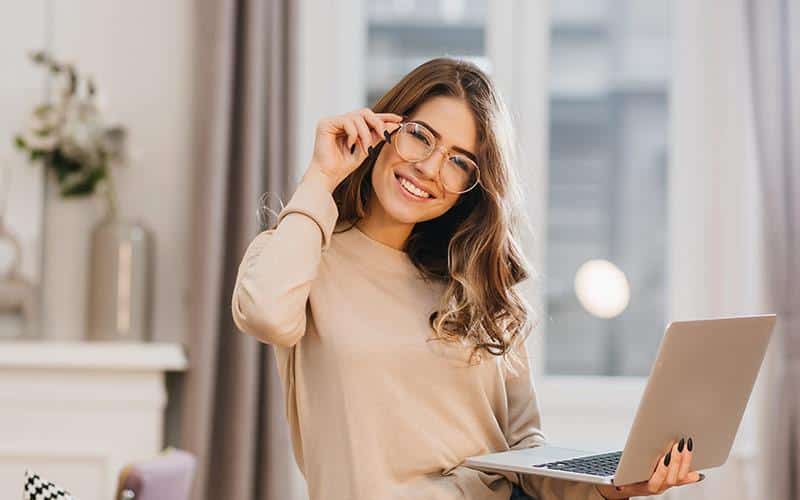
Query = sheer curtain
x=715 y=216
x=773 y=34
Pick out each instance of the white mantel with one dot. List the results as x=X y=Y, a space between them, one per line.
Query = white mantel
x=79 y=411
x=113 y=356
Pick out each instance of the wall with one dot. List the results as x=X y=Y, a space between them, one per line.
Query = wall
x=139 y=53
x=21 y=187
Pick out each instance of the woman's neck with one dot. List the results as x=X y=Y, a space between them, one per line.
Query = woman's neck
x=388 y=232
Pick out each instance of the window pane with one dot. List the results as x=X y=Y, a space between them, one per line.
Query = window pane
x=402 y=34
x=609 y=66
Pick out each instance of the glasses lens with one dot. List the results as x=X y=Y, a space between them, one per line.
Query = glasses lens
x=459 y=174
x=414 y=142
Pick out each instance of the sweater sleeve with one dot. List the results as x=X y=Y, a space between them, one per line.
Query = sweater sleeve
x=279 y=265
x=524 y=431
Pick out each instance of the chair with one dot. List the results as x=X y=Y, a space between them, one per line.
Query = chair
x=166 y=477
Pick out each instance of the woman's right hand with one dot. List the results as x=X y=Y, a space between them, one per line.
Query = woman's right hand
x=338 y=135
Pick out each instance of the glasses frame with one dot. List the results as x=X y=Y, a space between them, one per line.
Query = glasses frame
x=436 y=147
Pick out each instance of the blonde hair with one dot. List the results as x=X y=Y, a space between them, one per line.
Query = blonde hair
x=474 y=247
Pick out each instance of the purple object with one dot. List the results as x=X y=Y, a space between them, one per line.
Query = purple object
x=166 y=477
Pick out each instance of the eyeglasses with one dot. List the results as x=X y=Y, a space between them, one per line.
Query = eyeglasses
x=414 y=143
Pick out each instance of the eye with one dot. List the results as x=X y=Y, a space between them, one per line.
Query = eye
x=460 y=162
x=420 y=136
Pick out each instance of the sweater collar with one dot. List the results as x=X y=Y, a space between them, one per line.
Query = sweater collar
x=371 y=250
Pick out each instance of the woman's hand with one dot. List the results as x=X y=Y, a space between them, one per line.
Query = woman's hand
x=672 y=470
x=342 y=142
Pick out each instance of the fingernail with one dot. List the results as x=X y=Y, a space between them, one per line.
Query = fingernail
x=387 y=136
x=353 y=148
x=369 y=150
x=702 y=476
x=680 y=445
x=689 y=445
x=667 y=458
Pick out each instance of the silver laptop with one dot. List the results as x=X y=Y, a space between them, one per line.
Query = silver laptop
x=698 y=387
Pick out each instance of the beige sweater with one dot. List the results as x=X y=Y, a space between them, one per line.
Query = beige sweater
x=375 y=411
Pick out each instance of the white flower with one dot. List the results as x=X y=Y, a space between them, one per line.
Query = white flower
x=43 y=127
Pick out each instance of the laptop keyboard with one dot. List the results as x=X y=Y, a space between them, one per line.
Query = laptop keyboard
x=595 y=465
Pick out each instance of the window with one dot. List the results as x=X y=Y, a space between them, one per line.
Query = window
x=402 y=34
x=606 y=253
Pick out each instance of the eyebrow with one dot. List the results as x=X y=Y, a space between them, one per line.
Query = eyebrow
x=439 y=136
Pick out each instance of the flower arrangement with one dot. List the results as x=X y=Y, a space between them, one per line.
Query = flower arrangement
x=70 y=137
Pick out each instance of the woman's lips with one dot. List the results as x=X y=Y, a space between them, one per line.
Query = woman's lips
x=408 y=195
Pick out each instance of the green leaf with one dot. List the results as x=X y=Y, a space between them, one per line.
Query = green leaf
x=38 y=154
x=44 y=131
x=86 y=184
x=62 y=165
x=19 y=141
x=42 y=110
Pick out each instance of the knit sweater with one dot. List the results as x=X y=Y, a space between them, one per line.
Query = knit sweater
x=375 y=409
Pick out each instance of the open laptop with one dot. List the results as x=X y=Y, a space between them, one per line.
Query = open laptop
x=698 y=387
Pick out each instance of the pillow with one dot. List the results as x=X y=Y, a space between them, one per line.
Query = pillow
x=37 y=488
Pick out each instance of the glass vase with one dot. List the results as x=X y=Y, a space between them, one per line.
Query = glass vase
x=120 y=281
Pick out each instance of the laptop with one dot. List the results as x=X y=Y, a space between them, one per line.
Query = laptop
x=698 y=387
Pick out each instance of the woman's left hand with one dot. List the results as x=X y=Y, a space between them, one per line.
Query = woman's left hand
x=672 y=470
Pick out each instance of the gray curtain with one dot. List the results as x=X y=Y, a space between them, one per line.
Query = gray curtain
x=232 y=416
x=774 y=51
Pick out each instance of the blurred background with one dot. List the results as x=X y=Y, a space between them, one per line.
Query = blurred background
x=660 y=153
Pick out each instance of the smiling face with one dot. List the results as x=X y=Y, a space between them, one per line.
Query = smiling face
x=452 y=119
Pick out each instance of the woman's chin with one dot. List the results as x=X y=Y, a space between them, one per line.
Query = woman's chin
x=401 y=210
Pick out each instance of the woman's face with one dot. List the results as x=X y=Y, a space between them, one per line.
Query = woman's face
x=453 y=120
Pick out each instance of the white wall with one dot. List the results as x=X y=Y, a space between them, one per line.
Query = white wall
x=140 y=54
x=21 y=86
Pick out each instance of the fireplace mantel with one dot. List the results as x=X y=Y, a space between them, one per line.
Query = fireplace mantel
x=77 y=412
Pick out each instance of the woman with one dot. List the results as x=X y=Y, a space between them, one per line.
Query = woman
x=387 y=289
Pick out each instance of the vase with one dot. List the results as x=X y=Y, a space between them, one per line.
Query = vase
x=120 y=289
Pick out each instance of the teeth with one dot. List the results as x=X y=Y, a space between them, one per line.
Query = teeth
x=413 y=189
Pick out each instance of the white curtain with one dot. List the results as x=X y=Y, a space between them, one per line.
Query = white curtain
x=774 y=43
x=715 y=217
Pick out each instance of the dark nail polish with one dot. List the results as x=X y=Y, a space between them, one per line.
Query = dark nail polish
x=689 y=445
x=353 y=148
x=387 y=136
x=369 y=150
x=667 y=458
x=680 y=445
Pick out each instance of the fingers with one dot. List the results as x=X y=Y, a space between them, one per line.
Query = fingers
x=389 y=116
x=676 y=456
x=379 y=121
x=365 y=127
x=372 y=127
x=352 y=133
x=364 y=133
x=375 y=122
x=660 y=475
x=672 y=469
x=686 y=460
x=338 y=123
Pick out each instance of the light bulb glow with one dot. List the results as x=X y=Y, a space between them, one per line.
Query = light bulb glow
x=602 y=288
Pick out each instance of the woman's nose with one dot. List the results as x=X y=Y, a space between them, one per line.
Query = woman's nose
x=431 y=165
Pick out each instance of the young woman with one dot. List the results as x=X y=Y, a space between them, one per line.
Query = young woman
x=387 y=288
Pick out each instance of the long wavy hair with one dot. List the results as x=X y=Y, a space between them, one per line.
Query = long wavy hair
x=473 y=248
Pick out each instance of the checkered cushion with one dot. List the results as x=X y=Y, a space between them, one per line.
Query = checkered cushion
x=37 y=488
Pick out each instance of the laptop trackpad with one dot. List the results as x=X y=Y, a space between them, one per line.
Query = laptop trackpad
x=531 y=456
x=544 y=454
